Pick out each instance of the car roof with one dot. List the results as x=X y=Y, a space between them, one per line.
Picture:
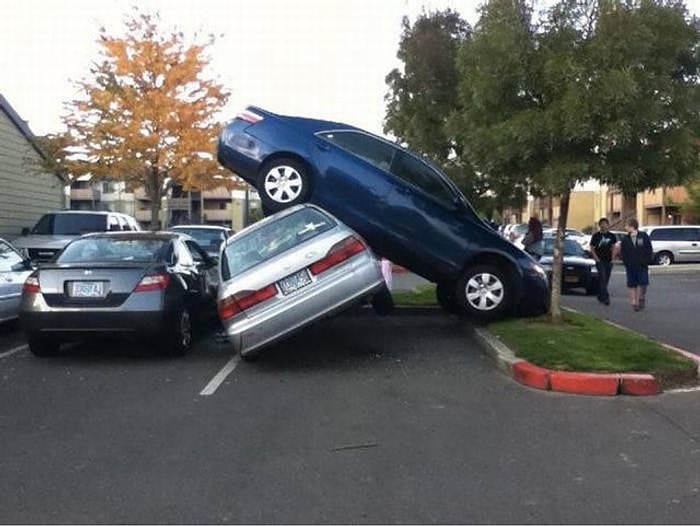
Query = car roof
x=663 y=227
x=147 y=235
x=200 y=227
x=84 y=212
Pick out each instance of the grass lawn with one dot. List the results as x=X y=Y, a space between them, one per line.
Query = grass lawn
x=423 y=295
x=585 y=343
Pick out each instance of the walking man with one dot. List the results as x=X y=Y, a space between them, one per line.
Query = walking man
x=602 y=244
x=636 y=255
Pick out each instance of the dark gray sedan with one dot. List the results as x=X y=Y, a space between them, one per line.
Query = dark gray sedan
x=149 y=285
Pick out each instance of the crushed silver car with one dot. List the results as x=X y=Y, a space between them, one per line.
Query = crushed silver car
x=289 y=270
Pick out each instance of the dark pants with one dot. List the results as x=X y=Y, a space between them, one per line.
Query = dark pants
x=604 y=271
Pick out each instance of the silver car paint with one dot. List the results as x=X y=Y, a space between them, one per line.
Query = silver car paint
x=329 y=291
x=687 y=250
x=11 y=283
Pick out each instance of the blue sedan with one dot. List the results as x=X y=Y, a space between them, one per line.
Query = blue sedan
x=405 y=208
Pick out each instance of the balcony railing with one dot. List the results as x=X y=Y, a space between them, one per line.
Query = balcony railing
x=217 y=193
x=178 y=203
x=217 y=215
x=85 y=194
x=143 y=215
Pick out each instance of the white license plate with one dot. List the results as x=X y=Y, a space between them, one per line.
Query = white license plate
x=87 y=289
x=294 y=282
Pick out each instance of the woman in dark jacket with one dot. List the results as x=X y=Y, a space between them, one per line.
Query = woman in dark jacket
x=532 y=242
x=636 y=253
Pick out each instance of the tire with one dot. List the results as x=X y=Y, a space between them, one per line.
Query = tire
x=484 y=292
x=664 y=259
x=42 y=346
x=178 y=337
x=447 y=299
x=383 y=302
x=283 y=183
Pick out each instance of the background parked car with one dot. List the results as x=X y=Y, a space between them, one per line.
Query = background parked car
x=14 y=270
x=578 y=268
x=406 y=209
x=55 y=230
x=147 y=285
x=209 y=237
x=290 y=270
x=674 y=244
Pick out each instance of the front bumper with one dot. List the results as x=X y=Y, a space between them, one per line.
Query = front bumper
x=260 y=328
x=535 y=298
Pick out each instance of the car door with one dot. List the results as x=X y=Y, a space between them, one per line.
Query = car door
x=13 y=273
x=689 y=244
x=355 y=180
x=426 y=218
x=206 y=266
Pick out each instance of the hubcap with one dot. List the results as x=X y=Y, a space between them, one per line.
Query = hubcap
x=185 y=330
x=283 y=184
x=485 y=291
x=664 y=259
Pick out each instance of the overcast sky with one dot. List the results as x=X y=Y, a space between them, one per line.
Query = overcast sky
x=316 y=58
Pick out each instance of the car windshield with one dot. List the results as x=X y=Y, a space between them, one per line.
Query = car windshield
x=70 y=224
x=571 y=248
x=272 y=239
x=114 y=250
x=205 y=237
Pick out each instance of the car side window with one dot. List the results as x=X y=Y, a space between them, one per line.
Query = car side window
x=419 y=174
x=369 y=148
x=113 y=224
x=668 y=234
x=8 y=257
x=124 y=224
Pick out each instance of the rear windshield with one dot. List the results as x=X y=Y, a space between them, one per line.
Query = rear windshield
x=206 y=237
x=571 y=247
x=110 y=250
x=70 y=224
x=272 y=239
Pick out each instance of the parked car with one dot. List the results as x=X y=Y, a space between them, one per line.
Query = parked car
x=14 y=270
x=289 y=270
x=152 y=286
x=405 y=208
x=575 y=235
x=55 y=230
x=578 y=268
x=674 y=244
x=209 y=237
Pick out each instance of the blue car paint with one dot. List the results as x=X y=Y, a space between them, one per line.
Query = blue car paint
x=399 y=221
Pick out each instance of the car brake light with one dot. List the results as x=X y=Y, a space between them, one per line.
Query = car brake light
x=250 y=116
x=338 y=253
x=153 y=282
x=229 y=307
x=31 y=285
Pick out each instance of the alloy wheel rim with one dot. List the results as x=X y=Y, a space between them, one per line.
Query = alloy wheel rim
x=485 y=291
x=185 y=330
x=283 y=184
x=664 y=260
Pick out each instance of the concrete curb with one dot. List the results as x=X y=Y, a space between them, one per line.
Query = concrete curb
x=600 y=384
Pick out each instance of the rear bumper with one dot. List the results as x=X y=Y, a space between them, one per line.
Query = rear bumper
x=261 y=328
x=71 y=325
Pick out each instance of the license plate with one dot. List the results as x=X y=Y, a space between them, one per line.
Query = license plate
x=571 y=279
x=87 y=289
x=295 y=282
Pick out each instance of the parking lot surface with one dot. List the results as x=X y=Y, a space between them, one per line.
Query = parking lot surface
x=356 y=420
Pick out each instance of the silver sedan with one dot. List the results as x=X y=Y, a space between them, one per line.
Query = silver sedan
x=289 y=270
x=14 y=270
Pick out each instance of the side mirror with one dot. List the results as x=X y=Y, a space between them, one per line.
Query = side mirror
x=25 y=231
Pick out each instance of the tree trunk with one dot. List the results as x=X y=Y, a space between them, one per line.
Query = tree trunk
x=555 y=309
x=154 y=193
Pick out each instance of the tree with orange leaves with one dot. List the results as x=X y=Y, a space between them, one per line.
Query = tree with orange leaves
x=147 y=113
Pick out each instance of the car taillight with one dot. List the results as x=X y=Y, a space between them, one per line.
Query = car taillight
x=153 y=282
x=229 y=307
x=250 y=116
x=338 y=253
x=31 y=285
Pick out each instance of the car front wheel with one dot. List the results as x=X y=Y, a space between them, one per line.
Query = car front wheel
x=283 y=183
x=664 y=258
x=178 y=339
x=484 y=292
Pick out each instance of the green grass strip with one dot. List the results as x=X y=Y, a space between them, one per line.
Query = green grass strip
x=422 y=295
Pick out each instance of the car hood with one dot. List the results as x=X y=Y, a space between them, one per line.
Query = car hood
x=49 y=242
x=569 y=260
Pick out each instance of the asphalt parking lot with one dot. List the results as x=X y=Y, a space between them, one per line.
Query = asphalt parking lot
x=356 y=420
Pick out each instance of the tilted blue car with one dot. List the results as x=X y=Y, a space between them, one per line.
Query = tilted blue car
x=406 y=209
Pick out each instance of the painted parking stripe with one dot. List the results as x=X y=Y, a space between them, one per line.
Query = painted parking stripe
x=14 y=350
x=215 y=382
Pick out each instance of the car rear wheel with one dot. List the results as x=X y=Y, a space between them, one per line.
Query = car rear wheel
x=283 y=183
x=484 y=292
x=178 y=341
x=664 y=258
x=42 y=346
x=383 y=302
x=447 y=299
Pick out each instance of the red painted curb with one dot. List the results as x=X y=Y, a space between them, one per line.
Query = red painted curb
x=584 y=383
x=531 y=375
x=638 y=384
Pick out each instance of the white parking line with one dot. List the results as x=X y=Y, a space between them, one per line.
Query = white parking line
x=14 y=350
x=215 y=382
